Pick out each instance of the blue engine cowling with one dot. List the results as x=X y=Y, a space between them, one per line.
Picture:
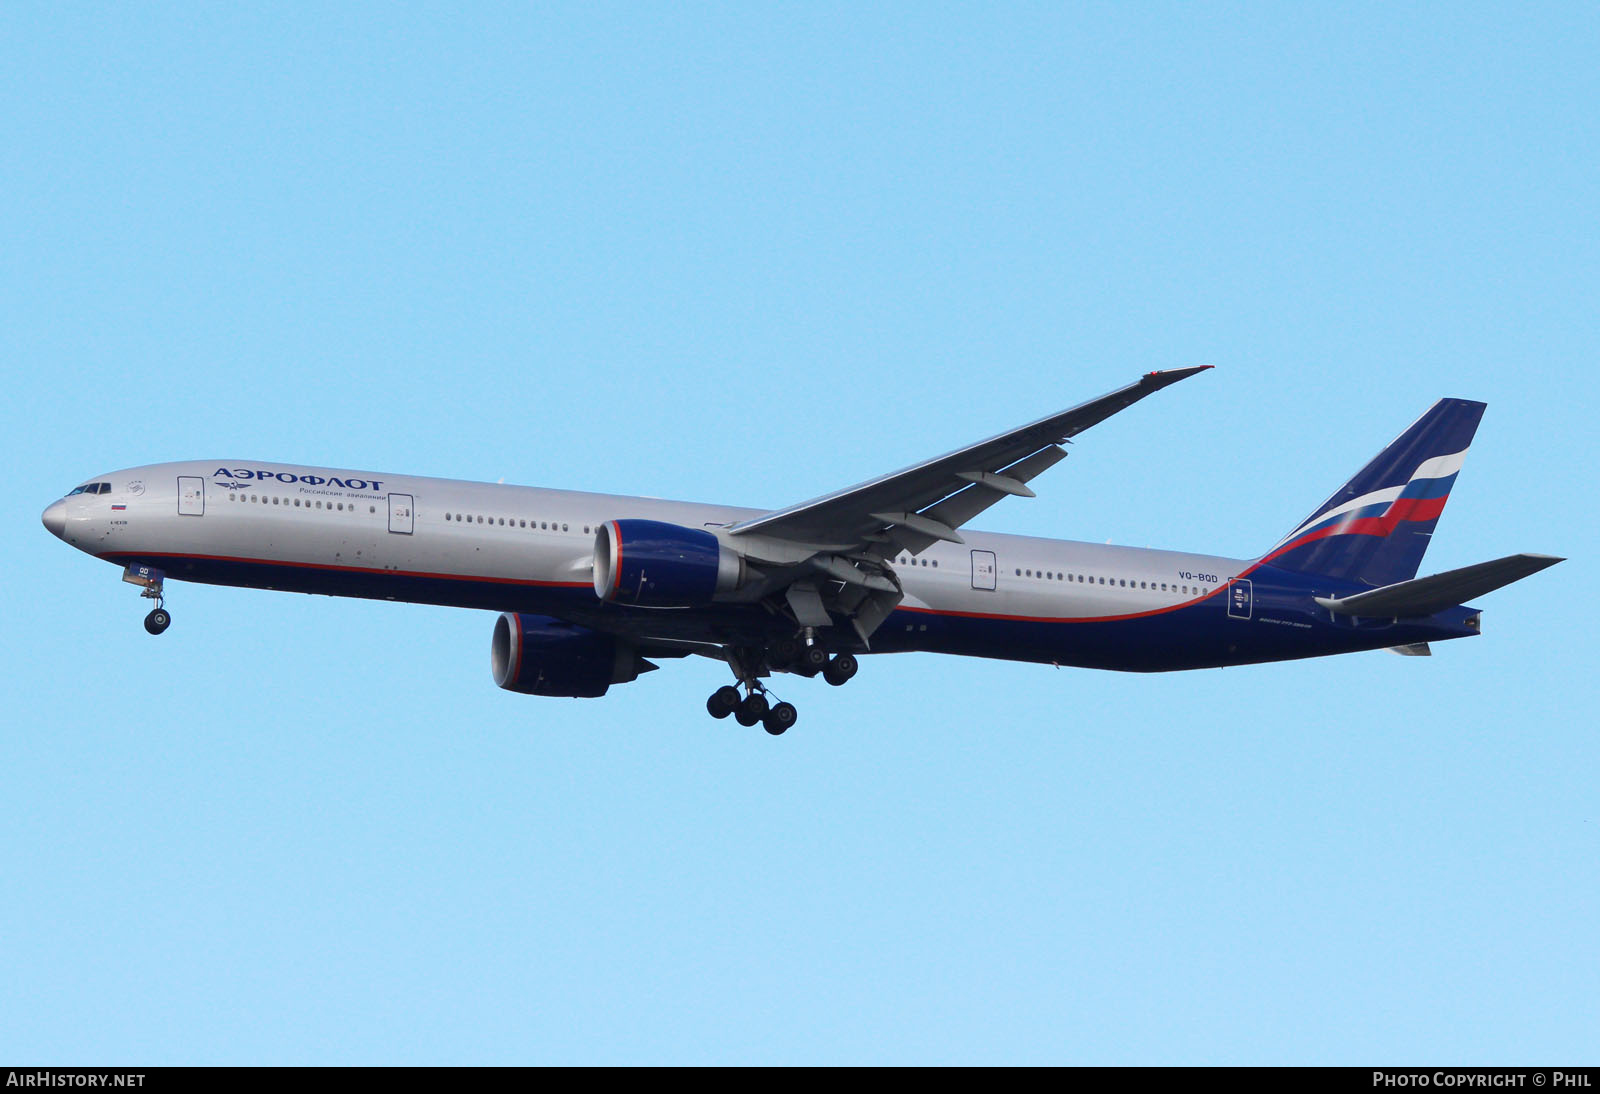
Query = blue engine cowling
x=656 y=565
x=537 y=655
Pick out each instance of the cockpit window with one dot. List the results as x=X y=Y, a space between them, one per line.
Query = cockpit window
x=91 y=488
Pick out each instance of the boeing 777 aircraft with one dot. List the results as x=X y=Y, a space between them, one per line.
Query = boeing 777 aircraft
x=592 y=586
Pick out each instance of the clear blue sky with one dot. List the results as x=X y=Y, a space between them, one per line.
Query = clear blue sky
x=751 y=253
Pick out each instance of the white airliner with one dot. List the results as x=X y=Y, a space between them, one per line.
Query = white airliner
x=590 y=586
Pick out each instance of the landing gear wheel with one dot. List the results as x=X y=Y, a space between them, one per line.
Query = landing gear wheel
x=813 y=659
x=752 y=710
x=784 y=652
x=157 y=621
x=722 y=701
x=780 y=718
x=841 y=669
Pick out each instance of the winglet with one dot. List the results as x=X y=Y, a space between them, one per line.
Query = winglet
x=1172 y=375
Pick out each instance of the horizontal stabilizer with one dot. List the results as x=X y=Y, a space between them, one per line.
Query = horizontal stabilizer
x=1413 y=649
x=1426 y=595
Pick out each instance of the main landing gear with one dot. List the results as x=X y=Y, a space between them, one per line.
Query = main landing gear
x=749 y=709
x=754 y=704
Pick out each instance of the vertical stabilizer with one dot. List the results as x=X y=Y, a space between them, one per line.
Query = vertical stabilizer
x=1377 y=526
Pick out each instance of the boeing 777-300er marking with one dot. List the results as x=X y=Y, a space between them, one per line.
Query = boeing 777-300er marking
x=590 y=586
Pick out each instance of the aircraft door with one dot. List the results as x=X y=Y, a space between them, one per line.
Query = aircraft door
x=402 y=514
x=191 y=496
x=983 y=570
x=1239 y=598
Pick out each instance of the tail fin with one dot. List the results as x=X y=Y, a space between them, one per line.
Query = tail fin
x=1376 y=527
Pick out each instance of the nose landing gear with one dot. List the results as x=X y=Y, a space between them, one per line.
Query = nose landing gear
x=151 y=581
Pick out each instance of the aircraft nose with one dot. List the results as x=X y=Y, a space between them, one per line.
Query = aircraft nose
x=55 y=518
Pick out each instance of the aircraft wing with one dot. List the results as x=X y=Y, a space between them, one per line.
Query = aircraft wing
x=827 y=557
x=914 y=507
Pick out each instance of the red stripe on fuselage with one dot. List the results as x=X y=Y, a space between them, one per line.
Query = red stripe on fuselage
x=1061 y=618
x=345 y=569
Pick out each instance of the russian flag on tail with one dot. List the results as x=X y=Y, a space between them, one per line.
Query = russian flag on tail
x=1375 y=528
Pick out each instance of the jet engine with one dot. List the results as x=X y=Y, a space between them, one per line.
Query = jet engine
x=537 y=655
x=652 y=564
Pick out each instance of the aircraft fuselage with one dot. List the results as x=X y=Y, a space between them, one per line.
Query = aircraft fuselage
x=307 y=529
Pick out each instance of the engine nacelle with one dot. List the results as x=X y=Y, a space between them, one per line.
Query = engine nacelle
x=537 y=655
x=657 y=565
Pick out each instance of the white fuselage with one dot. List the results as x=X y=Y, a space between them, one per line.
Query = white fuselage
x=364 y=523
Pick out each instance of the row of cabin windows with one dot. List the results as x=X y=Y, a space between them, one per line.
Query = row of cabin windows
x=513 y=522
x=1122 y=582
x=546 y=525
x=1056 y=575
x=272 y=499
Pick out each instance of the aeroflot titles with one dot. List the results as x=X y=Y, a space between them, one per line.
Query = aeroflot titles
x=375 y=485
